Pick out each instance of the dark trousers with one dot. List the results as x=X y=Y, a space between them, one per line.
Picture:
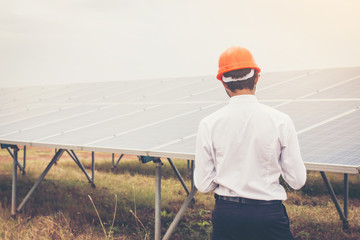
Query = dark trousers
x=237 y=221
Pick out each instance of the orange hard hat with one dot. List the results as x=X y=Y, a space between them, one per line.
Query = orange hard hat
x=235 y=58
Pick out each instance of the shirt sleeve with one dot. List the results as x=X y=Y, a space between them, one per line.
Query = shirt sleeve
x=293 y=168
x=205 y=172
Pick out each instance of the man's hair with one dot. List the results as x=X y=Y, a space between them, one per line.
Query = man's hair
x=249 y=84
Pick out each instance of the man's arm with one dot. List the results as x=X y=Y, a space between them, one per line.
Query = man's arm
x=294 y=171
x=204 y=173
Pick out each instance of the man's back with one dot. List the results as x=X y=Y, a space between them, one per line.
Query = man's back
x=247 y=138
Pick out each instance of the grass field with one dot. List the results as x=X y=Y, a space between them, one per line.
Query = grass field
x=61 y=208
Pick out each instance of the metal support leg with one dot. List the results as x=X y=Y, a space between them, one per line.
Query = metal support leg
x=192 y=175
x=188 y=168
x=177 y=173
x=72 y=154
x=9 y=151
x=42 y=176
x=93 y=167
x=334 y=199
x=158 y=200
x=55 y=153
x=179 y=215
x=21 y=167
x=24 y=160
x=14 y=183
x=117 y=162
x=346 y=201
x=190 y=199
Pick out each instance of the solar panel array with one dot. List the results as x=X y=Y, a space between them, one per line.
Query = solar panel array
x=160 y=117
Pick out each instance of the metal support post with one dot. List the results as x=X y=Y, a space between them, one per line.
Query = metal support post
x=188 y=168
x=117 y=162
x=192 y=175
x=42 y=176
x=72 y=154
x=14 y=182
x=177 y=173
x=346 y=201
x=55 y=153
x=9 y=151
x=334 y=199
x=158 y=200
x=179 y=215
x=189 y=199
x=93 y=167
x=21 y=167
x=24 y=160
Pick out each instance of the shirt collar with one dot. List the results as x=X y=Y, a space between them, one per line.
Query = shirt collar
x=245 y=98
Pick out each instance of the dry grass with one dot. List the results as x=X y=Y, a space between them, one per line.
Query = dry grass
x=61 y=209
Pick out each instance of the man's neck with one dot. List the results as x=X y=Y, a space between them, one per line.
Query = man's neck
x=244 y=91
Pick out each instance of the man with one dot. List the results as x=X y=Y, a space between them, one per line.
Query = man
x=241 y=151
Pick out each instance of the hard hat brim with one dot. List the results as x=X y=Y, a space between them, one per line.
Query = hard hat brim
x=229 y=68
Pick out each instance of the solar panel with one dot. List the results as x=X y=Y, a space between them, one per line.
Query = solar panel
x=160 y=117
x=338 y=142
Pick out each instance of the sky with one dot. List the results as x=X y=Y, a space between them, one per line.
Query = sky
x=71 y=41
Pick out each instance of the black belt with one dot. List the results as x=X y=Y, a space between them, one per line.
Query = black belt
x=247 y=200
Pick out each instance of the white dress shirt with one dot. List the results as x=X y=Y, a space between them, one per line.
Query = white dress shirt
x=244 y=147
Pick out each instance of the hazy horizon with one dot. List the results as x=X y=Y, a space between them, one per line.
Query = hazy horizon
x=72 y=41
